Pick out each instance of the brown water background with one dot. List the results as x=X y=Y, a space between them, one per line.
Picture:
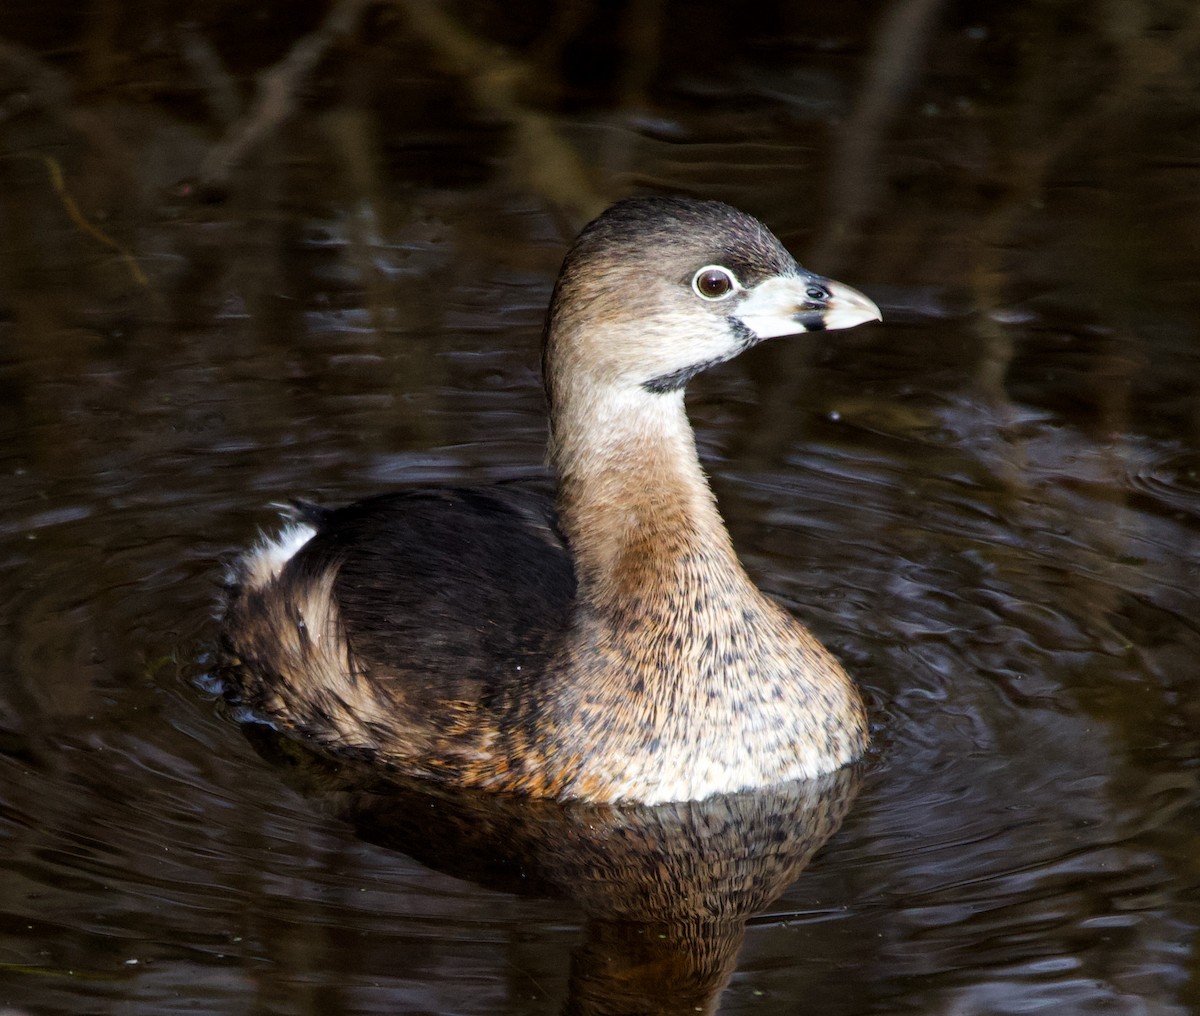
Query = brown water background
x=253 y=251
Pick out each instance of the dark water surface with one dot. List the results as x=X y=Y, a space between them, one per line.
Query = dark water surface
x=257 y=251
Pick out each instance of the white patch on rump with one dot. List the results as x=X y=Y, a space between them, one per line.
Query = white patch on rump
x=264 y=563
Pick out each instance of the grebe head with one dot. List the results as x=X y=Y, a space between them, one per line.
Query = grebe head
x=657 y=289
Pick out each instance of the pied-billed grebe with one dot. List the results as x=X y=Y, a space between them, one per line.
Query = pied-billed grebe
x=612 y=649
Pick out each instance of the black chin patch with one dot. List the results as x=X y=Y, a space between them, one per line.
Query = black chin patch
x=678 y=379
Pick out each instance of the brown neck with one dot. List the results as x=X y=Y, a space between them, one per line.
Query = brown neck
x=633 y=501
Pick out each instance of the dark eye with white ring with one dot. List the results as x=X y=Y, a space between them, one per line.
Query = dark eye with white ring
x=712 y=282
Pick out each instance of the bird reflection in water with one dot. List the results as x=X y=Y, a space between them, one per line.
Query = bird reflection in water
x=666 y=890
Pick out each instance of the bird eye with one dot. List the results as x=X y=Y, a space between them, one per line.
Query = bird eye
x=816 y=293
x=712 y=282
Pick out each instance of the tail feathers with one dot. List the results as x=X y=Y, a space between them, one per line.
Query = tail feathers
x=261 y=565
